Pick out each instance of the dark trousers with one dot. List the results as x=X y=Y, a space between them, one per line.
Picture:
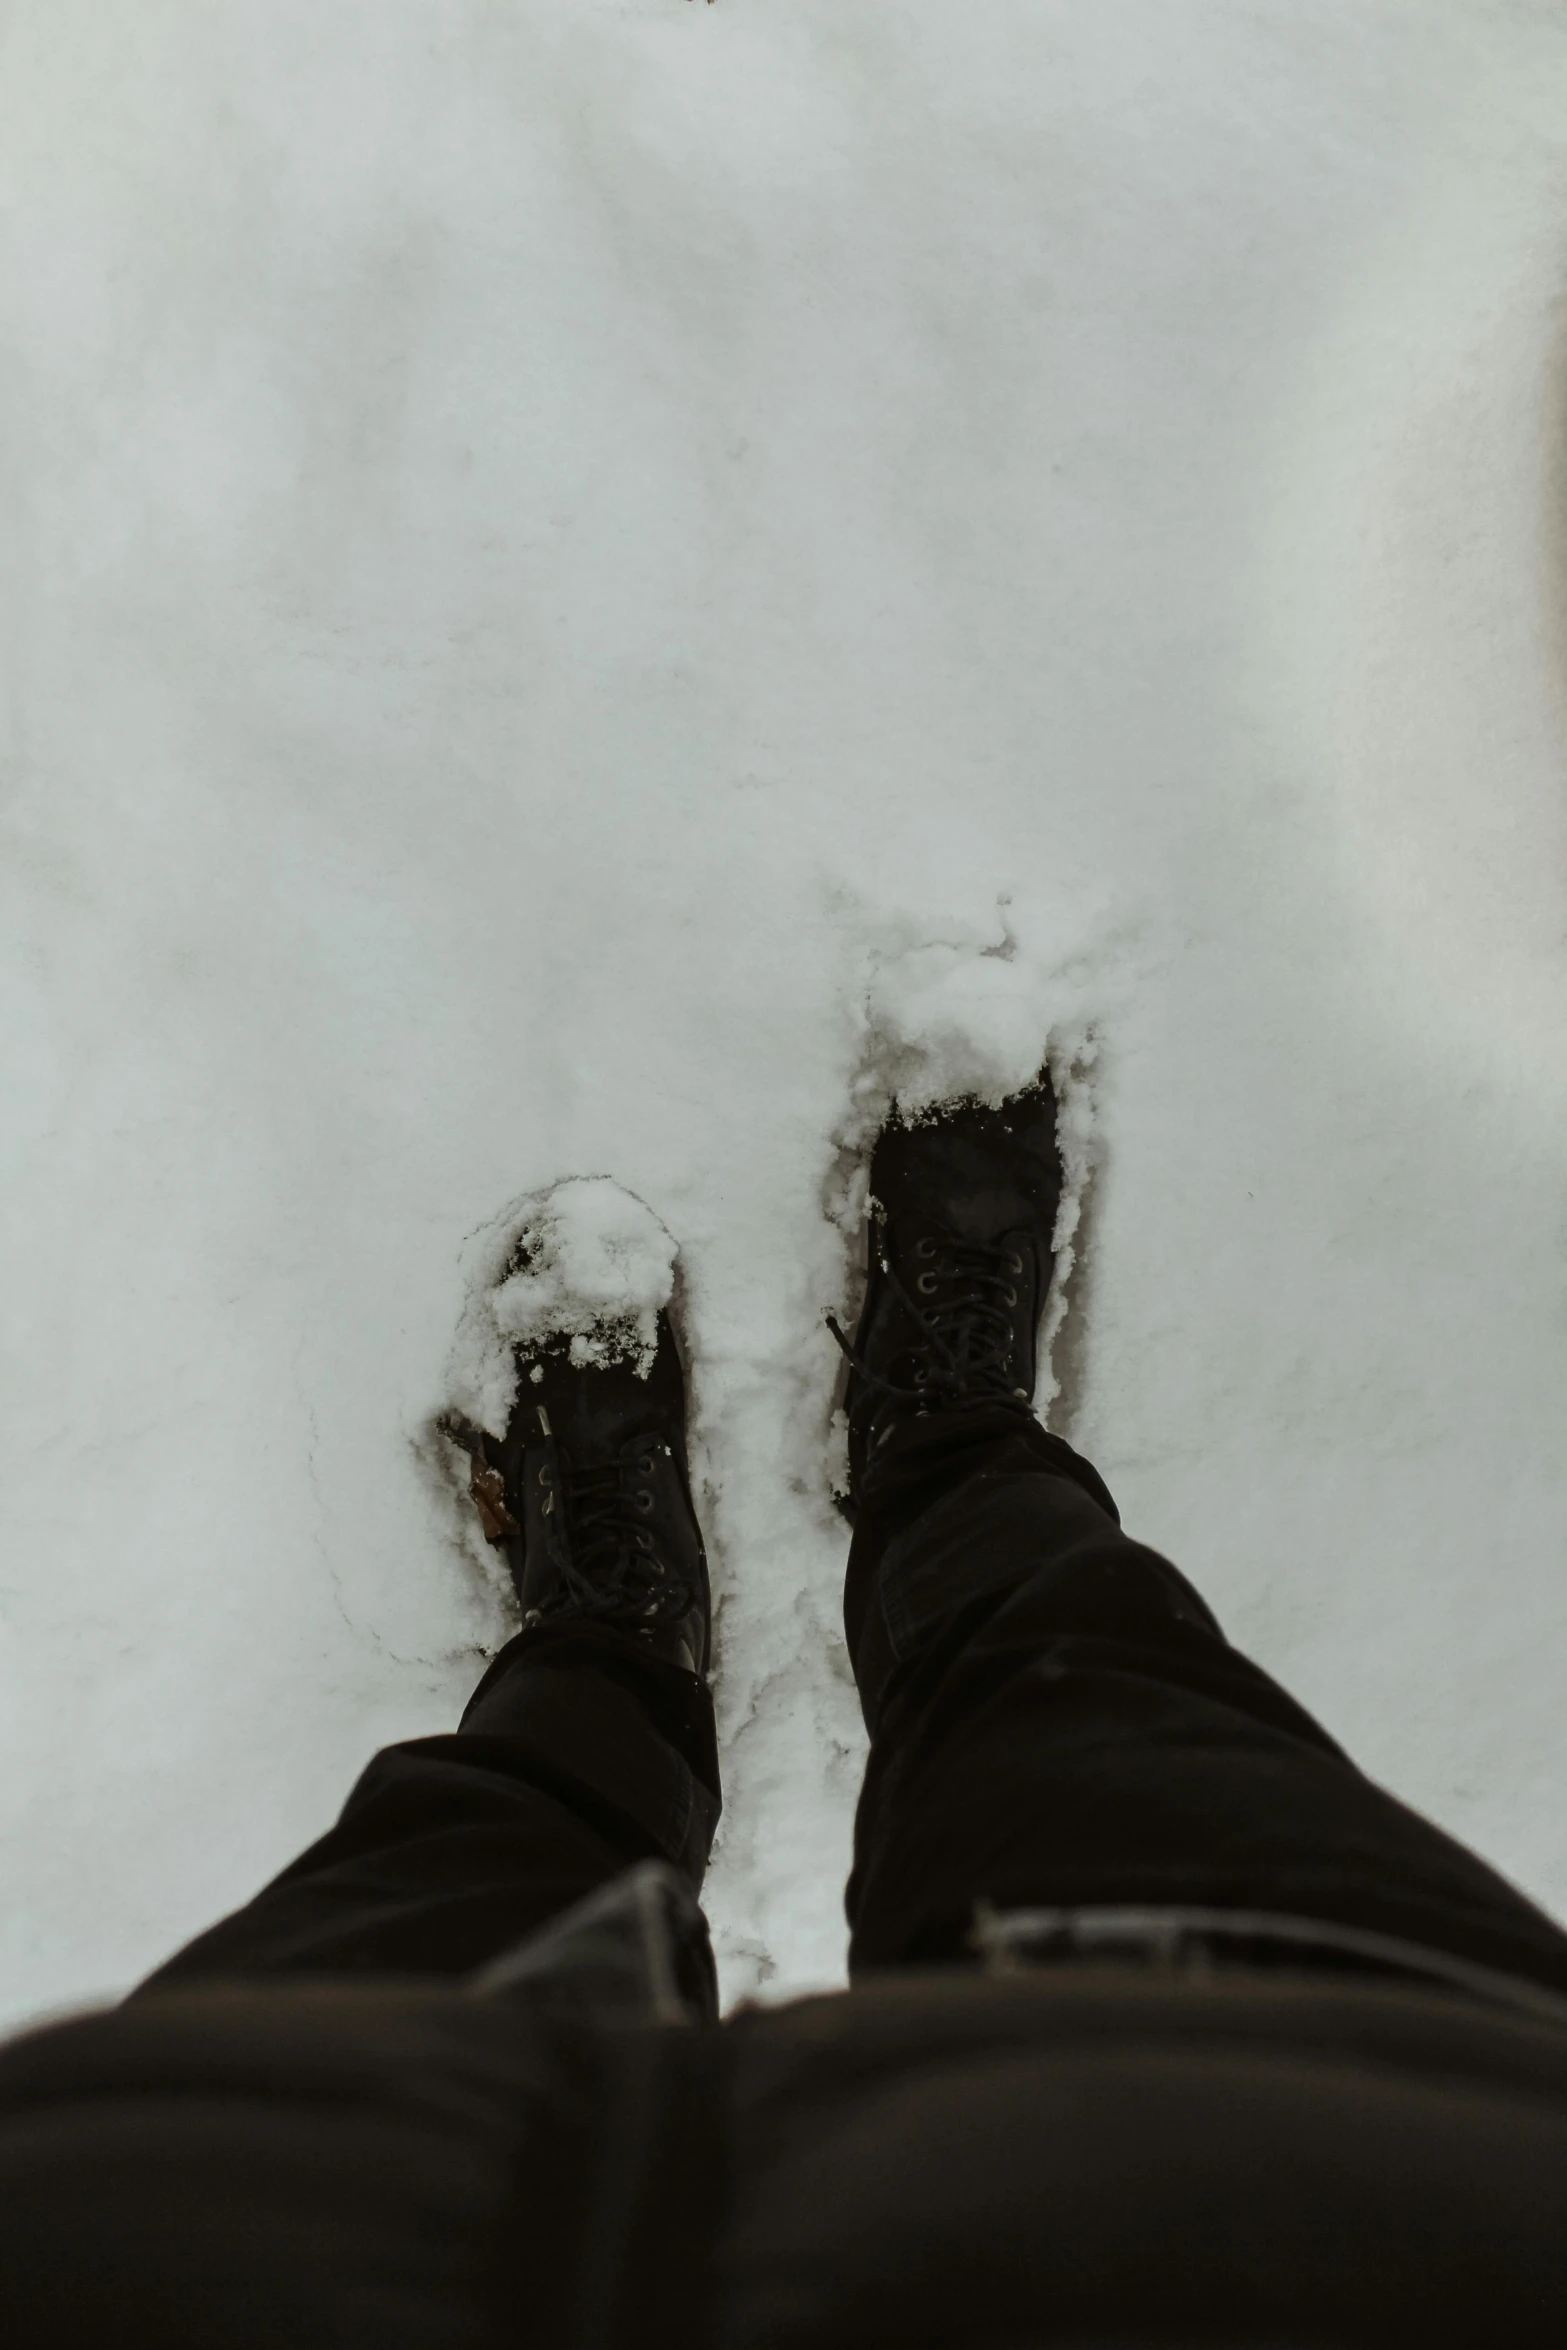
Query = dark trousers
x=1055 y=1719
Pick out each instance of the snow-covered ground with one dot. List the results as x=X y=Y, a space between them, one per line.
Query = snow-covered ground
x=584 y=582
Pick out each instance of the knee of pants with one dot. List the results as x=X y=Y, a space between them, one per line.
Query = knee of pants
x=1020 y=1539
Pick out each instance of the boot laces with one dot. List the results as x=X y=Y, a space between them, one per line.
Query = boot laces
x=964 y=1351
x=608 y=1560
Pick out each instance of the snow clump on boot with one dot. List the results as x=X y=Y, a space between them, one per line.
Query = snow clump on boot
x=585 y=1261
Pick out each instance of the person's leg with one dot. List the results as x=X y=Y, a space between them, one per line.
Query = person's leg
x=589 y=1743
x=1056 y=1719
x=576 y=1757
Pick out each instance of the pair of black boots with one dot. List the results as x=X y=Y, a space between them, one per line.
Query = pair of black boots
x=589 y=1489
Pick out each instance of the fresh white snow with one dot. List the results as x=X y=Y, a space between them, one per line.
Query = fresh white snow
x=584 y=1260
x=591 y=586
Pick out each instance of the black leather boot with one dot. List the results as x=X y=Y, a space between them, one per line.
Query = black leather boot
x=962 y=1213
x=589 y=1493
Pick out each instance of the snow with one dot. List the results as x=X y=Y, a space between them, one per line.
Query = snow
x=591 y=587
x=583 y=1260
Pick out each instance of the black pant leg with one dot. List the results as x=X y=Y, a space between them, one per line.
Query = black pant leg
x=1056 y=1719
x=576 y=1756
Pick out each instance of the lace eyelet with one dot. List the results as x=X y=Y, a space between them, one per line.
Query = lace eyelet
x=926 y=1284
x=645 y=1465
x=644 y=1541
x=644 y=1500
x=1010 y=1295
x=925 y=1249
x=1014 y=1264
